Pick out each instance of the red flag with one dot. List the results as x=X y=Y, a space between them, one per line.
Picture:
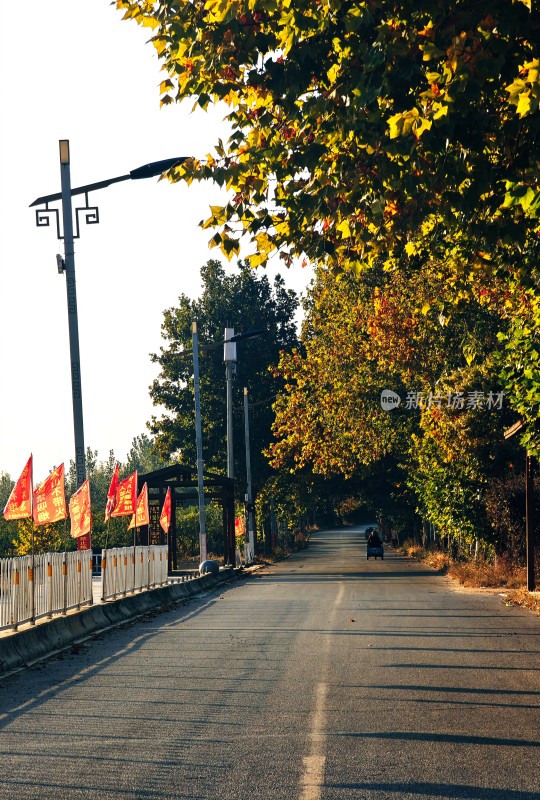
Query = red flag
x=165 y=518
x=111 y=494
x=83 y=542
x=239 y=527
x=50 y=498
x=80 y=511
x=126 y=494
x=19 y=504
x=142 y=514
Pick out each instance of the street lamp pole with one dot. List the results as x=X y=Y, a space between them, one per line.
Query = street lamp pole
x=198 y=437
x=68 y=267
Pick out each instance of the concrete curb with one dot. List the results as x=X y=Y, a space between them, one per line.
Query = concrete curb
x=24 y=648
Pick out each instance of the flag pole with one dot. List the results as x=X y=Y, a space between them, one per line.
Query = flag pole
x=33 y=600
x=33 y=620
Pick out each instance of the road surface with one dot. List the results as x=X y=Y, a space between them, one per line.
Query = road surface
x=327 y=677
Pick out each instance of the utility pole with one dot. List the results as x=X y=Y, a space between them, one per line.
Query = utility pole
x=198 y=437
x=229 y=356
x=529 y=521
x=529 y=507
x=249 y=496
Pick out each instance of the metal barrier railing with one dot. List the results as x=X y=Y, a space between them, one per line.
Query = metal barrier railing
x=32 y=587
x=42 y=585
x=130 y=569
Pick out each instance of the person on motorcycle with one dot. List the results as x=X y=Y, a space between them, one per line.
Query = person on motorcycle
x=374 y=540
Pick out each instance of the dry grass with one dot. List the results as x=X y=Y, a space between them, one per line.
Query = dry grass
x=480 y=573
x=525 y=599
x=474 y=573
x=435 y=558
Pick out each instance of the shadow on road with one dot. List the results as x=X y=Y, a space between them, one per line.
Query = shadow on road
x=433 y=791
x=446 y=738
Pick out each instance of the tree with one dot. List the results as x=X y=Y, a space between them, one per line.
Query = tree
x=43 y=538
x=373 y=133
x=360 y=128
x=6 y=529
x=143 y=456
x=384 y=330
x=244 y=300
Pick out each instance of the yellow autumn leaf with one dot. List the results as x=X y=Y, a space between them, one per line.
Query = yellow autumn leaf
x=264 y=243
x=256 y=259
x=524 y=104
x=332 y=73
x=425 y=125
x=344 y=229
x=402 y=124
x=164 y=86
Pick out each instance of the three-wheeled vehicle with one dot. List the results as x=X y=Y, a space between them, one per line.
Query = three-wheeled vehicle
x=375 y=552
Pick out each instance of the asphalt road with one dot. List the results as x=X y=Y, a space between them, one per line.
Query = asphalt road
x=327 y=677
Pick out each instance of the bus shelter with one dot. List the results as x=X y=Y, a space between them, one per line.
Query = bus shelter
x=183 y=484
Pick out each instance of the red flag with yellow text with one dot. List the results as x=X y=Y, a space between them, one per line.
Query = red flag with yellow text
x=50 y=498
x=142 y=514
x=111 y=494
x=126 y=495
x=165 y=518
x=80 y=511
x=239 y=527
x=19 y=504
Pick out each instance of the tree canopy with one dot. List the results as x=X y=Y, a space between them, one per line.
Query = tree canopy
x=374 y=134
x=396 y=146
x=360 y=128
x=441 y=449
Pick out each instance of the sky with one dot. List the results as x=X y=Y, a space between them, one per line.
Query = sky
x=74 y=70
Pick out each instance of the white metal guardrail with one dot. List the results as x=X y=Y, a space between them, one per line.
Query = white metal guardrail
x=38 y=586
x=132 y=569
x=42 y=585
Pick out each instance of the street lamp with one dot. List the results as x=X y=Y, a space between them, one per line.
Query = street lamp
x=230 y=342
x=229 y=357
x=67 y=264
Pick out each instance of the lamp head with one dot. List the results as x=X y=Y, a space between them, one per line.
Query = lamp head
x=155 y=168
x=64 y=151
